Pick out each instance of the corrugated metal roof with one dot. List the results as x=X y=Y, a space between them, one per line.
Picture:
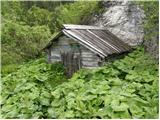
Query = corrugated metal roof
x=97 y=39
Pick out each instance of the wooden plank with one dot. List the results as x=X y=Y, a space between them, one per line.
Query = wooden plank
x=90 y=67
x=64 y=41
x=55 y=54
x=107 y=37
x=82 y=37
x=84 y=66
x=90 y=59
x=88 y=63
x=90 y=39
x=116 y=38
x=105 y=42
x=87 y=55
x=49 y=56
x=98 y=42
x=55 y=60
x=81 y=41
x=56 y=57
x=71 y=26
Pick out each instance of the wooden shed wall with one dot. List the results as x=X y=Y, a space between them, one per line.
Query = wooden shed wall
x=66 y=44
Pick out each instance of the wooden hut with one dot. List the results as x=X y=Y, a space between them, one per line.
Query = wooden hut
x=81 y=46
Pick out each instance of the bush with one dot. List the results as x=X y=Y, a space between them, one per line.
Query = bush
x=22 y=42
x=38 y=16
x=7 y=69
x=78 y=12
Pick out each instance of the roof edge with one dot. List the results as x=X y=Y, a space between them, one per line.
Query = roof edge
x=72 y=26
x=52 y=40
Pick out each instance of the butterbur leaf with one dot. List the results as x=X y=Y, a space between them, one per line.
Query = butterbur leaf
x=89 y=97
x=119 y=107
x=41 y=78
x=44 y=101
x=115 y=81
x=37 y=115
x=56 y=93
x=56 y=103
x=8 y=108
x=12 y=114
x=107 y=100
x=69 y=114
x=25 y=116
x=136 y=111
x=51 y=113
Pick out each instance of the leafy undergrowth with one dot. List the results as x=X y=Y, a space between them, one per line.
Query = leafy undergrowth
x=126 y=88
x=27 y=92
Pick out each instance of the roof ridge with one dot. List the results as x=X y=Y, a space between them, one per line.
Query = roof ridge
x=73 y=26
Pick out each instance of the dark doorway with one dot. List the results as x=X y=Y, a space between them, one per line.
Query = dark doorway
x=71 y=62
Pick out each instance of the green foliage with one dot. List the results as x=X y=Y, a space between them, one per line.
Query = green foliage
x=27 y=92
x=22 y=42
x=11 y=10
x=126 y=88
x=49 y=5
x=28 y=29
x=38 y=16
x=7 y=69
x=151 y=24
x=78 y=12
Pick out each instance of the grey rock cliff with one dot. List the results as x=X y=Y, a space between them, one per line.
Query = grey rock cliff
x=124 y=19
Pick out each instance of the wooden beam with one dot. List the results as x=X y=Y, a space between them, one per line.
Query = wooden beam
x=70 y=26
x=84 y=43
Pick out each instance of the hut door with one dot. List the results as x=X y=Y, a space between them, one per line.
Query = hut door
x=71 y=62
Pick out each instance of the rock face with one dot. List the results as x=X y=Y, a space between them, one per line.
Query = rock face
x=152 y=47
x=124 y=19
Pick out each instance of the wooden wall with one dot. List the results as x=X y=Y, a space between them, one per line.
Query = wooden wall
x=65 y=44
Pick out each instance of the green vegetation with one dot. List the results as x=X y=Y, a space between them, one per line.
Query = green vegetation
x=22 y=42
x=151 y=24
x=126 y=88
x=30 y=26
x=75 y=13
x=27 y=92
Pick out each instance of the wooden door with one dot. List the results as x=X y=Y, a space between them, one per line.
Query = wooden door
x=71 y=62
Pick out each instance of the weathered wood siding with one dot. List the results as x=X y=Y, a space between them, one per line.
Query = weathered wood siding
x=88 y=58
x=62 y=45
x=65 y=44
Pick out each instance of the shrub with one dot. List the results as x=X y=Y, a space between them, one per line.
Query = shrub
x=78 y=12
x=22 y=42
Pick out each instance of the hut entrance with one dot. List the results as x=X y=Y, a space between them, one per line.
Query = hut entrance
x=71 y=62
